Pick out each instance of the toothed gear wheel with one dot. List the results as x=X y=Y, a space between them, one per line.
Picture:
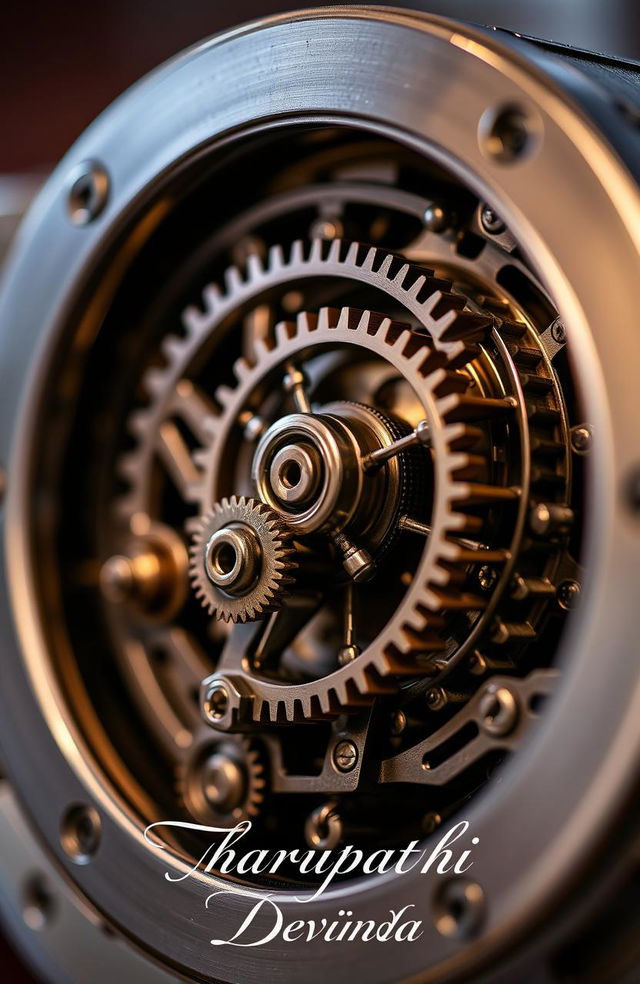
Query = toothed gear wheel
x=225 y=783
x=264 y=573
x=435 y=353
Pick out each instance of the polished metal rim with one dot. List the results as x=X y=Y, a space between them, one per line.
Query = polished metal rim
x=441 y=97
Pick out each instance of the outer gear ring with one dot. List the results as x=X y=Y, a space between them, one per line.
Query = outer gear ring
x=274 y=570
x=417 y=632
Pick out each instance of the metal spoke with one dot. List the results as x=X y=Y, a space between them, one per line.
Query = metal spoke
x=420 y=436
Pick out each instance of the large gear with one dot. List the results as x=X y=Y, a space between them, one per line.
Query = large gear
x=241 y=559
x=433 y=352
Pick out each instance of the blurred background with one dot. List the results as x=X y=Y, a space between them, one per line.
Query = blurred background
x=61 y=64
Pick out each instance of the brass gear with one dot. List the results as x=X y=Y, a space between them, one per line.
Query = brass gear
x=262 y=580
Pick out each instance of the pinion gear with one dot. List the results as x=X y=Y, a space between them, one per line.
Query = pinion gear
x=272 y=564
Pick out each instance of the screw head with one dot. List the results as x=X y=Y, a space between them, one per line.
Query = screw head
x=88 y=192
x=581 y=438
x=559 y=332
x=487 y=577
x=567 y=594
x=80 y=833
x=398 y=723
x=436 y=699
x=491 y=222
x=345 y=755
x=498 y=710
x=435 y=218
x=430 y=822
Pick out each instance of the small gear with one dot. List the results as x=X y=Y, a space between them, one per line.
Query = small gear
x=241 y=559
x=225 y=783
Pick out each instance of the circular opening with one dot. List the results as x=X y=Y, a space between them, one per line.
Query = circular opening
x=224 y=558
x=88 y=193
x=507 y=134
x=38 y=903
x=290 y=474
x=459 y=909
x=217 y=703
x=80 y=833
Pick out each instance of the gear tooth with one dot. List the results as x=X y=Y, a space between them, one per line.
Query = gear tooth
x=352 y=254
x=285 y=330
x=370 y=259
x=401 y=275
x=139 y=422
x=241 y=369
x=232 y=280
x=212 y=297
x=154 y=382
x=276 y=259
x=172 y=347
x=128 y=466
x=315 y=253
x=255 y=268
x=262 y=348
x=297 y=253
x=327 y=318
x=335 y=250
x=224 y=396
x=417 y=286
x=474 y=493
x=192 y=319
x=306 y=322
x=385 y=266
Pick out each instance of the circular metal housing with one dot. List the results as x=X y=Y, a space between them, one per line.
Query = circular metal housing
x=537 y=141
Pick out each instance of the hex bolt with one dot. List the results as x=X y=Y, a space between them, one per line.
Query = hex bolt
x=345 y=755
x=216 y=702
x=88 y=192
x=490 y=221
x=498 y=710
x=581 y=438
x=436 y=219
x=567 y=594
x=559 y=332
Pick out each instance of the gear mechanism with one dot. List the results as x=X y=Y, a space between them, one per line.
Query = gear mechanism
x=241 y=559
